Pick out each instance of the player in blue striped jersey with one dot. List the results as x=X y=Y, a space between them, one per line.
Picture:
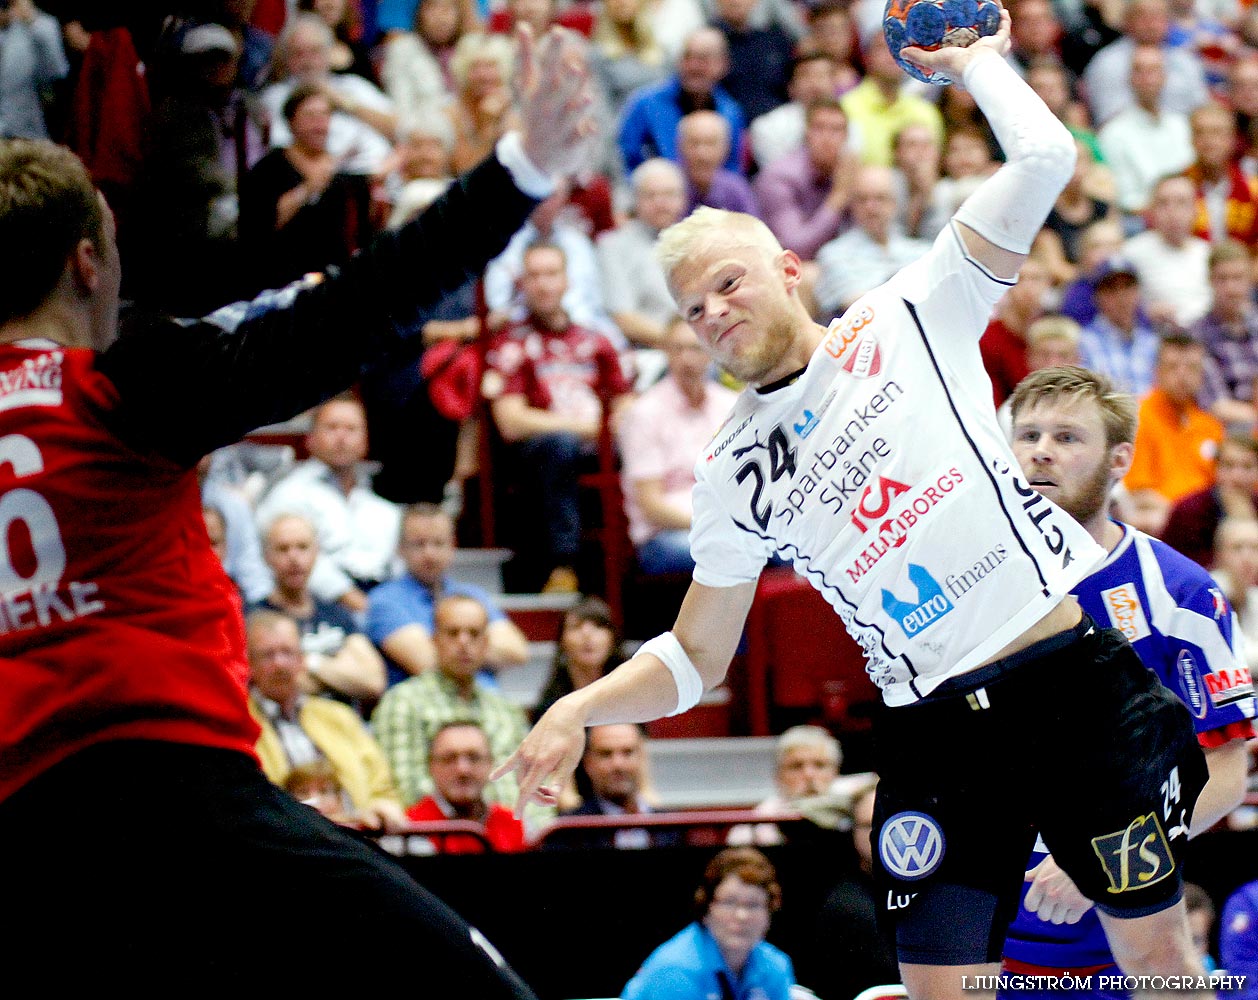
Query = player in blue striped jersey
x=1073 y=436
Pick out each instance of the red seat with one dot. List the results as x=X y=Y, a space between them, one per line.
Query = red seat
x=799 y=656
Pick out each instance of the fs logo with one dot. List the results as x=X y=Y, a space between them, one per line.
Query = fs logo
x=1135 y=857
x=911 y=845
x=932 y=604
x=1122 y=604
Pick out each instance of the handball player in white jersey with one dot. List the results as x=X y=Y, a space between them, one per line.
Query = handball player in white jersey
x=868 y=454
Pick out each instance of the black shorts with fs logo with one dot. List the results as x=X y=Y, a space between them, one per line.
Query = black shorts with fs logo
x=1072 y=737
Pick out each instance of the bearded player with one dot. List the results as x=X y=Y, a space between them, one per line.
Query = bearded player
x=141 y=843
x=869 y=454
x=1073 y=434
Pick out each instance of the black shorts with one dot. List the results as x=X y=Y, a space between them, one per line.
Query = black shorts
x=1073 y=738
x=177 y=870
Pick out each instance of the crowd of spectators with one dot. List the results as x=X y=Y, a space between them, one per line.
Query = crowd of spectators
x=243 y=144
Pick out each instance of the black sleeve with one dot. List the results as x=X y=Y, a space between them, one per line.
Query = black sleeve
x=186 y=388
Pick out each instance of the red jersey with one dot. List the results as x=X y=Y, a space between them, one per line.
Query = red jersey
x=116 y=618
x=504 y=832
x=564 y=371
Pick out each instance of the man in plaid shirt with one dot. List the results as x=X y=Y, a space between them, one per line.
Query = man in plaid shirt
x=410 y=713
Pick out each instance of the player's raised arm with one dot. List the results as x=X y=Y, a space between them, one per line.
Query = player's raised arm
x=667 y=677
x=1002 y=217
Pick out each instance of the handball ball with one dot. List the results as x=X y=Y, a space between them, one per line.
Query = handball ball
x=932 y=24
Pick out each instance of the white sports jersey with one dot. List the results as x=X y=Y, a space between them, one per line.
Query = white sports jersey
x=882 y=474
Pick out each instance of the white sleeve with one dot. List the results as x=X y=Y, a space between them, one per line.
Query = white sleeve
x=952 y=293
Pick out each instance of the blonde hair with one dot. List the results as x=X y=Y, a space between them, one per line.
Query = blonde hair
x=1053 y=328
x=705 y=228
x=476 y=46
x=1118 y=409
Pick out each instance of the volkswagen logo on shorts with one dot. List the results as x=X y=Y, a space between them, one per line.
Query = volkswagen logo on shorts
x=911 y=845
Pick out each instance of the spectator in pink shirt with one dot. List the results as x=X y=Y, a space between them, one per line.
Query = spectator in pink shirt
x=803 y=195
x=662 y=434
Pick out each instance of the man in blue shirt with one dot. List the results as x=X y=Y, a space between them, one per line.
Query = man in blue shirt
x=1073 y=436
x=648 y=125
x=400 y=612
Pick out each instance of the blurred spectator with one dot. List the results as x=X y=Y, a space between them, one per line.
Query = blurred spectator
x=31 y=59
x=808 y=761
x=723 y=953
x=400 y=612
x=315 y=785
x=879 y=106
x=1241 y=94
x=459 y=764
x=703 y=144
x=361 y=130
x=783 y=14
x=298 y=728
x=358 y=531
x=1227 y=199
x=672 y=22
x=634 y=288
x=348 y=54
x=395 y=16
x=1229 y=332
x=1238 y=938
x=614 y=766
x=1004 y=345
x=1097 y=244
x=652 y=113
x=255 y=45
x=411 y=713
x=1234 y=493
x=1035 y=35
x=920 y=212
x=1110 y=79
x=759 y=57
x=663 y=432
x=1119 y=342
x=216 y=530
x=1051 y=341
x=425 y=145
x=1147 y=139
x=589 y=647
x=202 y=141
x=553 y=380
x=1176 y=440
x=803 y=194
x=340 y=661
x=556 y=221
x=1171 y=262
x=624 y=53
x=243 y=556
x=967 y=160
x=481 y=111
x=300 y=210
x=416 y=68
x=831 y=32
x=1197 y=28
x=846 y=953
x=871 y=251
x=775 y=133
x=1055 y=86
x=1236 y=570
x=1201 y=916
x=1076 y=209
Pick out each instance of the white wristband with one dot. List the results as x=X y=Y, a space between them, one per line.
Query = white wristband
x=669 y=651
